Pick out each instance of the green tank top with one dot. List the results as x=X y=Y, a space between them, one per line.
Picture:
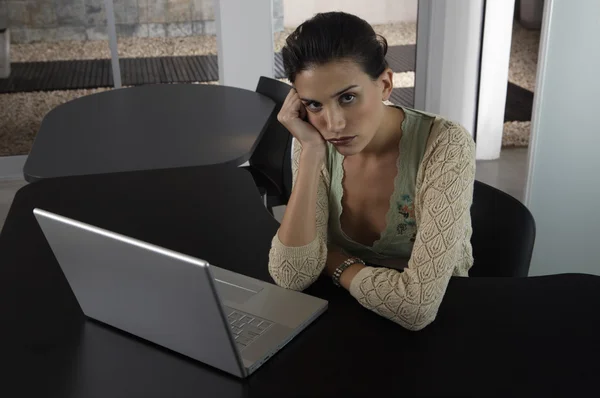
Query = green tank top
x=397 y=239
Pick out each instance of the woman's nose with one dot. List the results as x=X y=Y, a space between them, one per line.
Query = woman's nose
x=335 y=121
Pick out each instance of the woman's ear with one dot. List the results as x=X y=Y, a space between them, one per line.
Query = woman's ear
x=387 y=84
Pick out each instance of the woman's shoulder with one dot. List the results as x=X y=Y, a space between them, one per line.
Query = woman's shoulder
x=450 y=145
x=447 y=133
x=439 y=128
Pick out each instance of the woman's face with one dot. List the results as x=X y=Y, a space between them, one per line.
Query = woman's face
x=343 y=103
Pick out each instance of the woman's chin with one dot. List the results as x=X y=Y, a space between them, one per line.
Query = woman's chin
x=348 y=153
x=348 y=150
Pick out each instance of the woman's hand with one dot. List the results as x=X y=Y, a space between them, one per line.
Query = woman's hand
x=293 y=116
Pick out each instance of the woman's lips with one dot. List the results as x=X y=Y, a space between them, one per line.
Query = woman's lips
x=342 y=141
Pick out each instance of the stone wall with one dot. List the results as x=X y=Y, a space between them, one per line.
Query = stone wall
x=52 y=20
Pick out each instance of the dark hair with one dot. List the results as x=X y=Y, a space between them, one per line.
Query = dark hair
x=334 y=36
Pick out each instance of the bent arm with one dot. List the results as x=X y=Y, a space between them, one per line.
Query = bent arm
x=299 y=249
x=411 y=298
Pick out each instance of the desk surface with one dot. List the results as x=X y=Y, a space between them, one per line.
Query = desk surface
x=493 y=337
x=149 y=127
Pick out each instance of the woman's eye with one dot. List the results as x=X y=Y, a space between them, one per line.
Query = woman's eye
x=347 y=98
x=314 y=106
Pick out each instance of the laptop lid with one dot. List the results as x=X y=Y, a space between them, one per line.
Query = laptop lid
x=154 y=293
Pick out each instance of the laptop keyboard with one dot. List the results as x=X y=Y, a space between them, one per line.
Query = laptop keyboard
x=245 y=327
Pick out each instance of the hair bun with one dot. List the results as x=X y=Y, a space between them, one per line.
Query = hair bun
x=383 y=43
x=333 y=36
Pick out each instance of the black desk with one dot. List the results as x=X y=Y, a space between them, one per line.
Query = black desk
x=493 y=337
x=149 y=127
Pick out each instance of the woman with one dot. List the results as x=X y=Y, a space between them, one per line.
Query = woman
x=382 y=194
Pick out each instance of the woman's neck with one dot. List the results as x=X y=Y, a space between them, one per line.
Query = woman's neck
x=387 y=137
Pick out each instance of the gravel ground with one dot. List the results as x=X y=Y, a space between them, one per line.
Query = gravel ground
x=516 y=134
x=23 y=112
x=128 y=48
x=396 y=34
x=404 y=79
x=523 y=57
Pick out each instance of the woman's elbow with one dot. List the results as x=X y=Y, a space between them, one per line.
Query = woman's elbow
x=418 y=326
x=288 y=280
x=279 y=281
x=419 y=323
x=291 y=285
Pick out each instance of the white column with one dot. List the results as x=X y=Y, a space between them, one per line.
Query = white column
x=4 y=52
x=112 y=42
x=4 y=41
x=448 y=52
x=563 y=187
x=245 y=41
x=495 y=56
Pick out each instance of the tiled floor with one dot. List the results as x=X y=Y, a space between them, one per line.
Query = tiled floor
x=507 y=173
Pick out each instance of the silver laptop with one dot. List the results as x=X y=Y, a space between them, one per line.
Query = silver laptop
x=221 y=318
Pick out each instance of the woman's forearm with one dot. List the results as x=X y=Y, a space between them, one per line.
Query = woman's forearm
x=298 y=227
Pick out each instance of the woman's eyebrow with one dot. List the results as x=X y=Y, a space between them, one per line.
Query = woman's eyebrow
x=334 y=95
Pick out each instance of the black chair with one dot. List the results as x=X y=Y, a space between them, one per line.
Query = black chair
x=503 y=233
x=271 y=161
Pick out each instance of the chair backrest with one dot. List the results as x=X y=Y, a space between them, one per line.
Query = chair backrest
x=503 y=233
x=272 y=155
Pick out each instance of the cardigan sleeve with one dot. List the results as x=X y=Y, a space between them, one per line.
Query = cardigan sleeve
x=298 y=267
x=442 y=208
